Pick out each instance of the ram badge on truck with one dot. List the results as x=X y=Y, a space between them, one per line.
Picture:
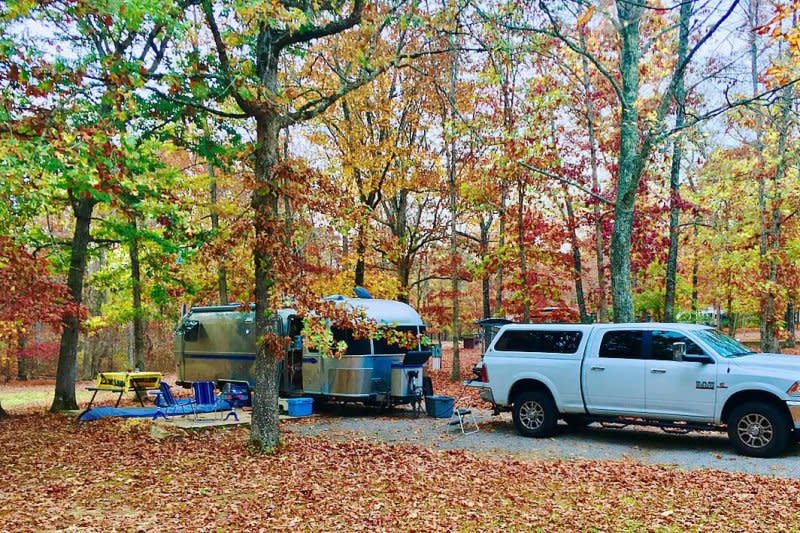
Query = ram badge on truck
x=675 y=376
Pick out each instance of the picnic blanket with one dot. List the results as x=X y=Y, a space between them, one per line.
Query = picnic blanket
x=96 y=413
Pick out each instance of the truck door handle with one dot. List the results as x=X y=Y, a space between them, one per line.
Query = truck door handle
x=658 y=371
x=598 y=368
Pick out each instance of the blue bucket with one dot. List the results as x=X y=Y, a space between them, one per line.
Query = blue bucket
x=439 y=406
x=299 y=406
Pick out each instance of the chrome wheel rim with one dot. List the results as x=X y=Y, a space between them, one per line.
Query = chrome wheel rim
x=755 y=430
x=531 y=415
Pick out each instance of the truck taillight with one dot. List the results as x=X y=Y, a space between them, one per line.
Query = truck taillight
x=484 y=374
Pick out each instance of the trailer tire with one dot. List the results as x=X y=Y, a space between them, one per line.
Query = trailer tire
x=758 y=429
x=535 y=414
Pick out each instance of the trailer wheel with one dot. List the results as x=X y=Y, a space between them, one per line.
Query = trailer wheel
x=535 y=414
x=758 y=429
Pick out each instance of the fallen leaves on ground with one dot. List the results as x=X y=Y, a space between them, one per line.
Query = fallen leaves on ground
x=112 y=474
x=442 y=385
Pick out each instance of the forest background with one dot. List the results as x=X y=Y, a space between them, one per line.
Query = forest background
x=540 y=161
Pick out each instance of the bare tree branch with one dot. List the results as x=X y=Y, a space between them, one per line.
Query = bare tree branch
x=565 y=181
x=317 y=32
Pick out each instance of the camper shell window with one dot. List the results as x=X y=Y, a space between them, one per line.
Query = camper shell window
x=539 y=341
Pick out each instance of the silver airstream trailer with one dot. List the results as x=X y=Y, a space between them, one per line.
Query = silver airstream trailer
x=218 y=344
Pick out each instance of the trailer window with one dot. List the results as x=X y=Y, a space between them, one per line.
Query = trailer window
x=539 y=341
x=354 y=346
x=383 y=347
x=622 y=345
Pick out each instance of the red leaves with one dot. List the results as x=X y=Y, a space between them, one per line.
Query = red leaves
x=29 y=293
x=40 y=350
x=115 y=475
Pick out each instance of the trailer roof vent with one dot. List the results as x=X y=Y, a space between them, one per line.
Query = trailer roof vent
x=361 y=292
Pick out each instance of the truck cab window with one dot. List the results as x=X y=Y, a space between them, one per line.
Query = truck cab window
x=622 y=345
x=662 y=341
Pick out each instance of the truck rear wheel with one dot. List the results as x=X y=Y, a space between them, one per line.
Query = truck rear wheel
x=758 y=429
x=535 y=414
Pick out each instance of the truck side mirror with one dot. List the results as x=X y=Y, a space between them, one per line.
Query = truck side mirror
x=678 y=351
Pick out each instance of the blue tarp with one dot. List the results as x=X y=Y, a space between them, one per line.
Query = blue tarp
x=96 y=413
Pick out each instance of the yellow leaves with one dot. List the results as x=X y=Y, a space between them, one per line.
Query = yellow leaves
x=96 y=323
x=584 y=19
x=17 y=9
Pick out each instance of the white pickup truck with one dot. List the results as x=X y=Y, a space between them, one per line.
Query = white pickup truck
x=679 y=377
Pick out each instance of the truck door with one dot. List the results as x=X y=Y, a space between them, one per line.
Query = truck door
x=677 y=389
x=614 y=374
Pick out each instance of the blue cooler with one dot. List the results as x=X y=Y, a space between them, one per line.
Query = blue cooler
x=439 y=406
x=299 y=406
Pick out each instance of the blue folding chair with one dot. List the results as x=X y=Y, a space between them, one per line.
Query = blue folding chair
x=165 y=400
x=204 y=396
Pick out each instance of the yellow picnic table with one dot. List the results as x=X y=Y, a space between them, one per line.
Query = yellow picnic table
x=122 y=382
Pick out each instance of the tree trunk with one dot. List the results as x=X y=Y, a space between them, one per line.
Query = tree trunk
x=501 y=243
x=731 y=317
x=404 y=278
x=630 y=163
x=523 y=259
x=66 y=373
x=136 y=291
x=675 y=169
x=22 y=362
x=485 y=282
x=264 y=432
x=576 y=259
x=131 y=347
x=95 y=300
x=599 y=247
x=770 y=342
x=791 y=341
x=22 y=369
x=88 y=351
x=695 y=269
x=455 y=373
x=361 y=251
x=222 y=273
x=767 y=315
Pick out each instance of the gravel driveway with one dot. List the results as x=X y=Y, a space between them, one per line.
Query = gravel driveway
x=497 y=436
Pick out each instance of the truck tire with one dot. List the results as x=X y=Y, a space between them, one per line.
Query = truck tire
x=758 y=429
x=535 y=414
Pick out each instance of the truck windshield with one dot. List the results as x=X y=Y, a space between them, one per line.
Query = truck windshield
x=722 y=344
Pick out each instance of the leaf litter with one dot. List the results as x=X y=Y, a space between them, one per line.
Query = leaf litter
x=114 y=475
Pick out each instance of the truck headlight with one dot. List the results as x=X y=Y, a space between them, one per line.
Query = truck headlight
x=794 y=390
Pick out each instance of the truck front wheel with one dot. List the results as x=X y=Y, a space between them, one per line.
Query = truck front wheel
x=758 y=429
x=535 y=414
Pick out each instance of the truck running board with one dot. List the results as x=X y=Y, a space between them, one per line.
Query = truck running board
x=666 y=426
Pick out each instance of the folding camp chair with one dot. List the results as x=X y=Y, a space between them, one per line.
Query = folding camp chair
x=204 y=396
x=464 y=414
x=165 y=400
